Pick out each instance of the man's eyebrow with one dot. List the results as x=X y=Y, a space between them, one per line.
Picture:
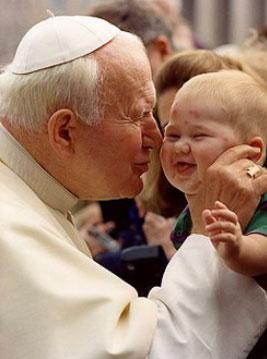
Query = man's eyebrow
x=147 y=106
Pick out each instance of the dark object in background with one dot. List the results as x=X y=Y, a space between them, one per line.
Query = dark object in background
x=116 y=211
x=128 y=223
x=138 y=264
x=260 y=349
x=143 y=267
x=106 y=241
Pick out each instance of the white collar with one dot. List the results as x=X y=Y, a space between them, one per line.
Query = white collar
x=48 y=189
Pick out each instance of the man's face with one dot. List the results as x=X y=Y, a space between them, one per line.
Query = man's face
x=197 y=133
x=115 y=153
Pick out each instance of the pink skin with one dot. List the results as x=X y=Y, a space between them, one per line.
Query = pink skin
x=223 y=229
x=245 y=254
x=195 y=136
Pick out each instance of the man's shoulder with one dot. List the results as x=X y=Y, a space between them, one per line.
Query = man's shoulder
x=18 y=202
x=13 y=189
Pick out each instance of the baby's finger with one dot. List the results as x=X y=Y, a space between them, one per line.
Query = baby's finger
x=207 y=217
x=221 y=226
x=223 y=237
x=225 y=214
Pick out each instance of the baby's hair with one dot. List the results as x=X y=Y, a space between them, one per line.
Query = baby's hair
x=243 y=99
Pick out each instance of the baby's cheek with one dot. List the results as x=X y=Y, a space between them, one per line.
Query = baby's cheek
x=206 y=162
x=165 y=155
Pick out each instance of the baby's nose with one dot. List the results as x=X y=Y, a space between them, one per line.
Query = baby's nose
x=183 y=147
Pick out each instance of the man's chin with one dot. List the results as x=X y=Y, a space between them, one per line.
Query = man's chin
x=134 y=190
x=125 y=193
x=128 y=189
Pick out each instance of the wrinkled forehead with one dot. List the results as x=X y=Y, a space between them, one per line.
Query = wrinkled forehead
x=124 y=49
x=124 y=69
x=122 y=54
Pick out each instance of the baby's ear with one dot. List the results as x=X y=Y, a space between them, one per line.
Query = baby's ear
x=258 y=142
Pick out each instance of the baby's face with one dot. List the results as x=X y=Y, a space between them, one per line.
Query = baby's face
x=197 y=133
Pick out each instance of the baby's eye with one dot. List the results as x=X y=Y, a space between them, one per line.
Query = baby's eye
x=199 y=136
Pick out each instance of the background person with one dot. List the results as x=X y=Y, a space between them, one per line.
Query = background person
x=142 y=19
x=183 y=36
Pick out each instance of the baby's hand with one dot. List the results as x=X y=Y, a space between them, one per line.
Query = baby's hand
x=224 y=230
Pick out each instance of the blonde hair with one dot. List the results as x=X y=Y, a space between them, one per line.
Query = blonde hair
x=29 y=100
x=257 y=59
x=253 y=51
x=243 y=100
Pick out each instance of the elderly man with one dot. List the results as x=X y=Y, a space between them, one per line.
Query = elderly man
x=76 y=110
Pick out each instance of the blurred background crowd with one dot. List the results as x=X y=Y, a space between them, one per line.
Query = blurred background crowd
x=215 y=21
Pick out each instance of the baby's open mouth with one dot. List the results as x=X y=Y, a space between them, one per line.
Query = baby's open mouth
x=184 y=167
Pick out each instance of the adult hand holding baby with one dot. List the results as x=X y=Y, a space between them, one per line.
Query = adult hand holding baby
x=227 y=180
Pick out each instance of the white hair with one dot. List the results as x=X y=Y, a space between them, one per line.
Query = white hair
x=27 y=101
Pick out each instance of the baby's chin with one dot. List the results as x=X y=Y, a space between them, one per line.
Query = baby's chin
x=188 y=190
x=188 y=187
x=191 y=193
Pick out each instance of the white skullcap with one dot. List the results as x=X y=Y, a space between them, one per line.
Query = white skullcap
x=60 y=39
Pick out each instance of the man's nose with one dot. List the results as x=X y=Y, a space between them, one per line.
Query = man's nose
x=151 y=134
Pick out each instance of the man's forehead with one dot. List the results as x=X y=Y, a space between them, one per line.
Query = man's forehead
x=138 y=97
x=124 y=67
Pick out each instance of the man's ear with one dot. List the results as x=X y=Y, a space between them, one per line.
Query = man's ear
x=158 y=51
x=60 y=128
x=163 y=46
x=258 y=142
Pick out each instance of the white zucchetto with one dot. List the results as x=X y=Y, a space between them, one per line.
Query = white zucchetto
x=60 y=39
